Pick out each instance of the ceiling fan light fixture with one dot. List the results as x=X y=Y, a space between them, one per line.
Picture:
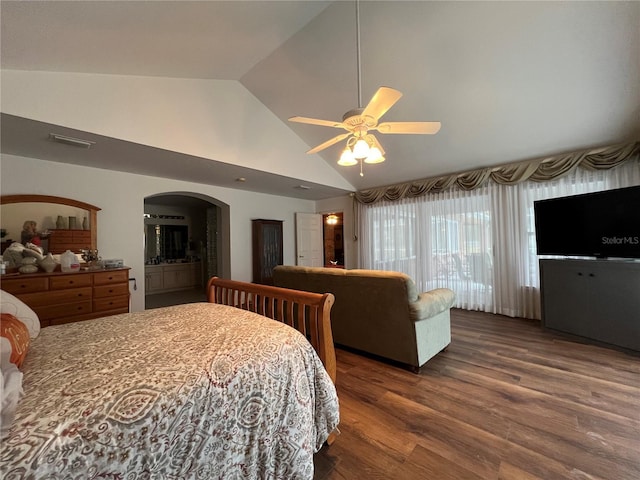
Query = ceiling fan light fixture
x=332 y=219
x=361 y=149
x=347 y=159
x=375 y=156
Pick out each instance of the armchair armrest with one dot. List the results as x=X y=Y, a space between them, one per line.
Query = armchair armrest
x=431 y=303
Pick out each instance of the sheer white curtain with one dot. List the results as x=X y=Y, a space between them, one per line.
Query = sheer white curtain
x=479 y=243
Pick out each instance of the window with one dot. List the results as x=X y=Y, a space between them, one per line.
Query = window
x=479 y=243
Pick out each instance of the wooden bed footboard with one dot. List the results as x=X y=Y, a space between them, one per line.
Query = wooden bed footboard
x=307 y=312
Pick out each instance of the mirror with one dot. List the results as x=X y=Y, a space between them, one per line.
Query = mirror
x=332 y=226
x=62 y=223
x=167 y=242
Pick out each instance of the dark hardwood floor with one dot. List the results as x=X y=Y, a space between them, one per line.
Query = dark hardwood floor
x=507 y=400
x=166 y=299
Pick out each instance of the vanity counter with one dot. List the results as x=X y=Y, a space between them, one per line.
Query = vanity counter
x=169 y=277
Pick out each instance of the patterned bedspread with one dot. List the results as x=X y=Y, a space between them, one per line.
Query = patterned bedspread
x=200 y=391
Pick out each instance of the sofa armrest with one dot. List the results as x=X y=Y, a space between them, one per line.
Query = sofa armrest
x=431 y=303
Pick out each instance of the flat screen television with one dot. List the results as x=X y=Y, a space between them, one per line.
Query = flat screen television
x=602 y=224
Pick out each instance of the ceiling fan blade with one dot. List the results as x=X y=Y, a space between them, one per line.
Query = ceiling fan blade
x=381 y=101
x=374 y=142
x=328 y=143
x=428 y=128
x=316 y=121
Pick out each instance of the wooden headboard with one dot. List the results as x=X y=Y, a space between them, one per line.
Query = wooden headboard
x=307 y=312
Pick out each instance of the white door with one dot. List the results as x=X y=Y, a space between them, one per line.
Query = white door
x=309 y=240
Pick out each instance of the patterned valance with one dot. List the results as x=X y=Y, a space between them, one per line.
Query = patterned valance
x=538 y=170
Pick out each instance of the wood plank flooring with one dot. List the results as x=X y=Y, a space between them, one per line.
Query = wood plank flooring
x=166 y=299
x=506 y=401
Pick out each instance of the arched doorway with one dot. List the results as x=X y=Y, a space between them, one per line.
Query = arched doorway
x=186 y=241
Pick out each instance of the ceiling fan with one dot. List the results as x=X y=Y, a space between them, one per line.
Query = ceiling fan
x=361 y=144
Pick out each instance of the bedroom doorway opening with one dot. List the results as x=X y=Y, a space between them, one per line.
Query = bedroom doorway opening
x=186 y=242
x=333 y=236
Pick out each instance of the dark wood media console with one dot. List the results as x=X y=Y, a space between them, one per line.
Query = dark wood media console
x=595 y=299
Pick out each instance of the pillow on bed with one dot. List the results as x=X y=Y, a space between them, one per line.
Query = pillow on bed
x=18 y=335
x=11 y=387
x=20 y=310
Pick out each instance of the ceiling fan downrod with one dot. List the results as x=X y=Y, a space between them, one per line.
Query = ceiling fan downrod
x=359 y=74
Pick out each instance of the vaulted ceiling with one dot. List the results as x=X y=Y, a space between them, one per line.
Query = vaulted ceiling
x=509 y=81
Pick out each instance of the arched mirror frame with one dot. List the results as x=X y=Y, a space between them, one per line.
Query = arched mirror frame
x=92 y=209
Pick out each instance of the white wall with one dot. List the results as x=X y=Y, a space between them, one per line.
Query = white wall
x=216 y=119
x=121 y=198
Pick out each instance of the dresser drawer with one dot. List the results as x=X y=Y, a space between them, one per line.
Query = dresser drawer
x=55 y=297
x=69 y=281
x=110 y=290
x=17 y=286
x=105 y=278
x=111 y=303
x=47 y=312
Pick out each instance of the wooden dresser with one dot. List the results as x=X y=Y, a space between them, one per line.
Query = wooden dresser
x=60 y=297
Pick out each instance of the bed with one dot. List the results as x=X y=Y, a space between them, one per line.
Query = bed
x=208 y=390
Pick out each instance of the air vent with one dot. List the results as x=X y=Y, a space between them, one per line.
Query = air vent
x=76 y=142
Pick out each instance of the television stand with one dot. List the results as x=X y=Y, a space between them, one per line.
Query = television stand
x=595 y=299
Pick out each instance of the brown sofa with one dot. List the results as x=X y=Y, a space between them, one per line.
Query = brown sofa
x=379 y=312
